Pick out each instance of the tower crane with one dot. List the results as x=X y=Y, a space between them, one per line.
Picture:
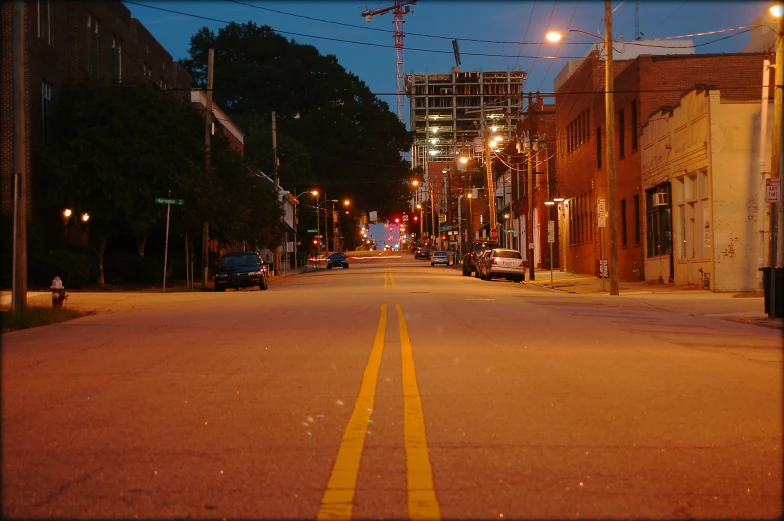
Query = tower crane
x=400 y=8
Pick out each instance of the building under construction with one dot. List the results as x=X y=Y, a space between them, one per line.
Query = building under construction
x=448 y=111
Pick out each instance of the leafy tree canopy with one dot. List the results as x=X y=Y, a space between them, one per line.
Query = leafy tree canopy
x=333 y=131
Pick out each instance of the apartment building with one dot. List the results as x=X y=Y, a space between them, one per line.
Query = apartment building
x=449 y=111
x=66 y=40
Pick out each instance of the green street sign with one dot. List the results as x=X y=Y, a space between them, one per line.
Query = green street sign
x=312 y=231
x=169 y=200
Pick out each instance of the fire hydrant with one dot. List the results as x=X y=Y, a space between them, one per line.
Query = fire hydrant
x=58 y=293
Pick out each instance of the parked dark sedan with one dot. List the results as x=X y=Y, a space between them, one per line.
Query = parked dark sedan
x=241 y=269
x=337 y=259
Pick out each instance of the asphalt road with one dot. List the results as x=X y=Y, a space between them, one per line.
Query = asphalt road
x=392 y=390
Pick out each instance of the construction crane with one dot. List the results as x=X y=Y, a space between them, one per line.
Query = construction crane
x=400 y=8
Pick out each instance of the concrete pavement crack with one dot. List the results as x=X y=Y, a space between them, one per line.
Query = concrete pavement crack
x=64 y=486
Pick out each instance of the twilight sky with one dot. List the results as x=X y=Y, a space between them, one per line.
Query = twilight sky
x=507 y=21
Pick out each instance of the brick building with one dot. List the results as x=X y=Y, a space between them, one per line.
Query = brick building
x=643 y=85
x=703 y=180
x=67 y=40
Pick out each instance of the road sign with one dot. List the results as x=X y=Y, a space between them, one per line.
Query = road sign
x=773 y=190
x=604 y=272
x=600 y=206
x=312 y=231
x=169 y=200
x=493 y=234
x=602 y=221
x=551 y=231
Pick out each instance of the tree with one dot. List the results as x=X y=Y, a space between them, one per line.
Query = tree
x=353 y=141
x=113 y=148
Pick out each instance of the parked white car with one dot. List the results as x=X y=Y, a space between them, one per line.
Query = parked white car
x=440 y=257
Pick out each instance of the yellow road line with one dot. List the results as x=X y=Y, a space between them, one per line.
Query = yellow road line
x=338 y=499
x=422 y=501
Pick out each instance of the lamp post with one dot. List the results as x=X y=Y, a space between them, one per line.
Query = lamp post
x=296 y=199
x=609 y=103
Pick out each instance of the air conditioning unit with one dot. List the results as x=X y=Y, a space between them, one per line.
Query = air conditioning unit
x=660 y=199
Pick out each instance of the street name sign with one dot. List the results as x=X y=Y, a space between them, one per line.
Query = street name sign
x=312 y=231
x=169 y=200
x=773 y=190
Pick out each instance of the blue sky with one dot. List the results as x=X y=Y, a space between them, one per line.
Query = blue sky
x=497 y=21
x=373 y=59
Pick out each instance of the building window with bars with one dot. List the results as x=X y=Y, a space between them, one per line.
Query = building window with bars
x=598 y=147
x=621 y=135
x=634 y=126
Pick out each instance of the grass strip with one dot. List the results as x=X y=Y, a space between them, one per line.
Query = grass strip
x=35 y=316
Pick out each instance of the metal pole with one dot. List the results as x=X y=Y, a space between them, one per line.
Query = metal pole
x=19 y=269
x=275 y=174
x=166 y=247
x=187 y=263
x=432 y=215
x=551 y=264
x=601 y=256
x=205 y=231
x=296 y=261
x=530 y=233
x=609 y=100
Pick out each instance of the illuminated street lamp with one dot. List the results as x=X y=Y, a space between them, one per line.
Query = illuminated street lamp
x=85 y=217
x=315 y=193
x=67 y=213
x=609 y=103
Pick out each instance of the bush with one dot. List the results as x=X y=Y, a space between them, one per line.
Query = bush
x=74 y=269
x=123 y=268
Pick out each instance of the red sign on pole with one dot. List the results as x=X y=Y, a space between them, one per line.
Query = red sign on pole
x=493 y=234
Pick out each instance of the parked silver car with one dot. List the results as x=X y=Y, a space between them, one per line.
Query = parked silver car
x=440 y=257
x=502 y=263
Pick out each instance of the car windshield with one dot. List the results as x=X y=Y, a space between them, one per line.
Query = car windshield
x=337 y=256
x=507 y=254
x=237 y=261
x=440 y=254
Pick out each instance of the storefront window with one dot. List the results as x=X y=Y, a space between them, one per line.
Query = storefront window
x=659 y=220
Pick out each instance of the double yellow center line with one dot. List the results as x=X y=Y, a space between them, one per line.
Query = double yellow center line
x=338 y=499
x=388 y=274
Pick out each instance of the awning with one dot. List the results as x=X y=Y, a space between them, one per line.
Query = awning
x=288 y=230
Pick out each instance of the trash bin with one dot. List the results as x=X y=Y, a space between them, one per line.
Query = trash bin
x=779 y=285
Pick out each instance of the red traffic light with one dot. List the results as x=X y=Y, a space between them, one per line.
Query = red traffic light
x=416 y=217
x=397 y=220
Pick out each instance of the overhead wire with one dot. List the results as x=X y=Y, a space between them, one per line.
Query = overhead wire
x=568 y=25
x=525 y=34
x=549 y=21
x=439 y=51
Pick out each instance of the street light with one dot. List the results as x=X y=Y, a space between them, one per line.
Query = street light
x=609 y=103
x=312 y=192
x=85 y=217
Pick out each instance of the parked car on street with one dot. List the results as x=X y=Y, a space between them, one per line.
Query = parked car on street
x=337 y=259
x=440 y=257
x=241 y=269
x=502 y=263
x=477 y=247
x=422 y=253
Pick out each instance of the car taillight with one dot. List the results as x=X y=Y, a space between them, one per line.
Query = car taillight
x=473 y=255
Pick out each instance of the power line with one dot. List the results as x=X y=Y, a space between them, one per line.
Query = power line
x=556 y=51
x=525 y=34
x=488 y=55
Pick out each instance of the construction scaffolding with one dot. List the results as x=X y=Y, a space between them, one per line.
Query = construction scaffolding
x=448 y=111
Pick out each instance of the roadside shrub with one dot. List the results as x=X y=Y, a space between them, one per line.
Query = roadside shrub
x=73 y=268
x=123 y=268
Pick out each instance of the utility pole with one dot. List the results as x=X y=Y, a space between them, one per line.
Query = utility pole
x=776 y=166
x=19 y=282
x=530 y=231
x=489 y=168
x=275 y=173
x=609 y=100
x=205 y=229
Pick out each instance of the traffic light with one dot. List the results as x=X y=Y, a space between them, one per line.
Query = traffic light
x=397 y=220
x=416 y=217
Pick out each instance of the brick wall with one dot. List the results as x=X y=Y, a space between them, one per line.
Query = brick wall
x=651 y=82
